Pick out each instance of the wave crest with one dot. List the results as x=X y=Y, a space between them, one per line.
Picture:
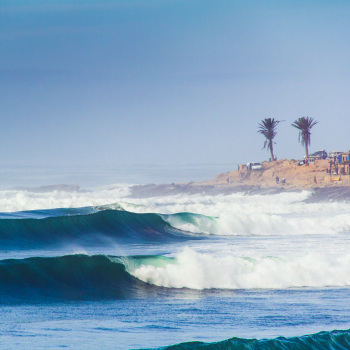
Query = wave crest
x=98 y=227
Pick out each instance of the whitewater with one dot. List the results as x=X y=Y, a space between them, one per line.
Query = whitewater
x=103 y=269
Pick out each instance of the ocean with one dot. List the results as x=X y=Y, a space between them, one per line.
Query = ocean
x=103 y=270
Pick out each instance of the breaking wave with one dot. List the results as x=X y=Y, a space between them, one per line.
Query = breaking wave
x=79 y=277
x=259 y=224
x=104 y=224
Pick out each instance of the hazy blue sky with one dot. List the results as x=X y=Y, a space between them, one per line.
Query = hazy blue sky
x=170 y=81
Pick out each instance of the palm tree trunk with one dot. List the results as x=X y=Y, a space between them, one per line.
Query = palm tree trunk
x=271 y=149
x=306 y=150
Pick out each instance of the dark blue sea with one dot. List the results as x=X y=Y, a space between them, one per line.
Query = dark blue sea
x=101 y=270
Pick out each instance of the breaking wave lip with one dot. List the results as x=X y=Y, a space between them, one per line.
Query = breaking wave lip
x=259 y=224
x=194 y=270
x=87 y=225
x=337 y=340
x=191 y=222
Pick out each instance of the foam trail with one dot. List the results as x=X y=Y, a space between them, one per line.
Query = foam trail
x=203 y=271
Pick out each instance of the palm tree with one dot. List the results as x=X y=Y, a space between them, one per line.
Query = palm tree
x=267 y=127
x=304 y=126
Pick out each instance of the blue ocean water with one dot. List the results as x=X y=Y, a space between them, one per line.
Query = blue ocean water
x=184 y=272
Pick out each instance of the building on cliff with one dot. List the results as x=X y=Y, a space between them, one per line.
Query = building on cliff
x=344 y=163
x=341 y=163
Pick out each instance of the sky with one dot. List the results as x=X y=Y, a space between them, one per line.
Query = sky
x=85 y=83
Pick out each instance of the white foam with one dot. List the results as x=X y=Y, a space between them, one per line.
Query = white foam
x=11 y=201
x=282 y=214
x=203 y=271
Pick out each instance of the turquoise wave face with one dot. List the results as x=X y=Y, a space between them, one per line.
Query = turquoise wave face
x=335 y=340
x=73 y=277
x=195 y=223
x=85 y=225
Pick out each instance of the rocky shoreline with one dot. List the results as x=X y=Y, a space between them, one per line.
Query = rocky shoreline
x=318 y=194
x=153 y=190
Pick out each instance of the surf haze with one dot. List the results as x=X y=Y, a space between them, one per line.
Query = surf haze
x=138 y=209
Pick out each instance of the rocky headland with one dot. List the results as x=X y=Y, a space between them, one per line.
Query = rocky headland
x=314 y=177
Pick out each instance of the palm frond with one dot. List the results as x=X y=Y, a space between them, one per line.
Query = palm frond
x=267 y=128
x=304 y=126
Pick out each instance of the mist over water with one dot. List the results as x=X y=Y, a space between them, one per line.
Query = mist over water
x=92 y=176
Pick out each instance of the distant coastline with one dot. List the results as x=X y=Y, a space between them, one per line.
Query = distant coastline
x=313 y=177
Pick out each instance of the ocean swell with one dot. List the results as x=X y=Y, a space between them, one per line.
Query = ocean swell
x=335 y=340
x=70 y=277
